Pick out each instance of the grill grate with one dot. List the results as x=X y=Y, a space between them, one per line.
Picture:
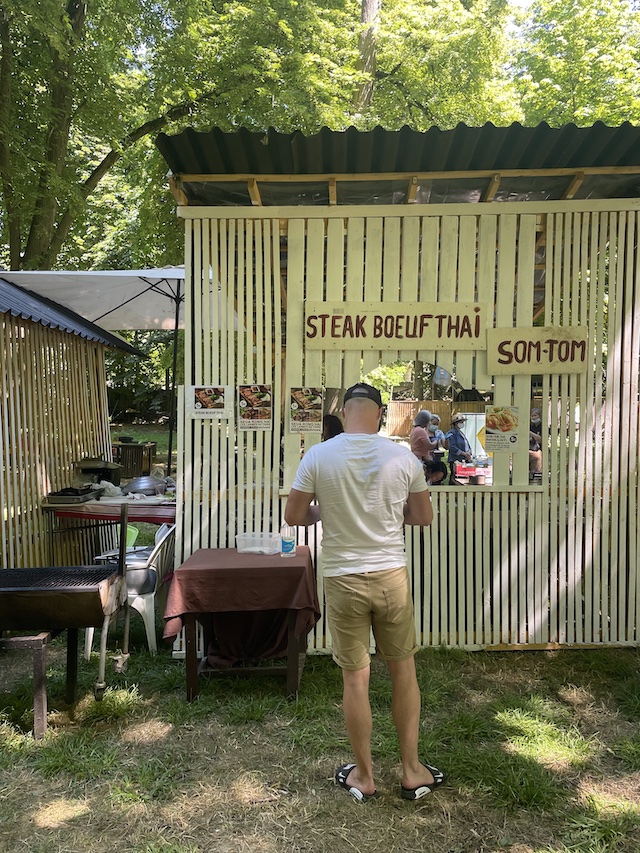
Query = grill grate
x=54 y=579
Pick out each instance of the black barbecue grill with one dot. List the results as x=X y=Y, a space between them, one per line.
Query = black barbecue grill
x=58 y=598
x=70 y=597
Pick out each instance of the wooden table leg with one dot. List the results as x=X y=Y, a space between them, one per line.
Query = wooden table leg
x=40 y=688
x=296 y=655
x=191 y=656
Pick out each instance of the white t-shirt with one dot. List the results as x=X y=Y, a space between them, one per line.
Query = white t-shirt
x=361 y=483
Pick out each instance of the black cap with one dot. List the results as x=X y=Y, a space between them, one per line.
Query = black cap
x=362 y=391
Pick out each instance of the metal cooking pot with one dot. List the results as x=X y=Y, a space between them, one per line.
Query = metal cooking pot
x=144 y=486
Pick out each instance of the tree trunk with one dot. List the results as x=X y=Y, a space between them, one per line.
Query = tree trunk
x=61 y=100
x=369 y=15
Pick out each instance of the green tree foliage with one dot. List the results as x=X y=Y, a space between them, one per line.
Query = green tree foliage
x=139 y=389
x=579 y=61
x=84 y=89
x=442 y=63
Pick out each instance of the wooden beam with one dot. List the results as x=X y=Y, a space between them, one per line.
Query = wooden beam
x=538 y=310
x=408 y=176
x=412 y=190
x=175 y=185
x=333 y=195
x=492 y=188
x=254 y=192
x=574 y=186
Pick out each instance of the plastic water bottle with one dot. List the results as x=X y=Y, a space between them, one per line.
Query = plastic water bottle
x=287 y=540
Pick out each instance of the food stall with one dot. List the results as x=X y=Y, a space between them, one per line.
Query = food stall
x=507 y=257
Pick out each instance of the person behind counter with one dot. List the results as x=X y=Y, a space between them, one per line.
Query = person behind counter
x=367 y=489
x=422 y=442
x=459 y=447
x=435 y=432
x=331 y=427
x=535 y=442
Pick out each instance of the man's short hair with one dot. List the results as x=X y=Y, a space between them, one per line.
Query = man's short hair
x=362 y=391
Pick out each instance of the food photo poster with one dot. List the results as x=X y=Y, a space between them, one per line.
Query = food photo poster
x=209 y=401
x=305 y=410
x=255 y=407
x=501 y=429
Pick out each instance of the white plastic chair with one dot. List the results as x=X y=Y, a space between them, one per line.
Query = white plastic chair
x=146 y=567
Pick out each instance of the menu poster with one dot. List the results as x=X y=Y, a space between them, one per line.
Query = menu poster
x=254 y=407
x=209 y=401
x=305 y=410
x=501 y=429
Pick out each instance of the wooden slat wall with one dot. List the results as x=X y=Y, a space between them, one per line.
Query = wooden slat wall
x=512 y=565
x=230 y=478
x=53 y=412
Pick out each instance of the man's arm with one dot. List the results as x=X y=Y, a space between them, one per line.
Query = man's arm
x=299 y=511
x=418 y=510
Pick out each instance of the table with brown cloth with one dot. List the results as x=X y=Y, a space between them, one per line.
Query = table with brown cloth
x=252 y=607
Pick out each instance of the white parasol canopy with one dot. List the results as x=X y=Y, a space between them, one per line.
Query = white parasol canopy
x=113 y=299
x=116 y=300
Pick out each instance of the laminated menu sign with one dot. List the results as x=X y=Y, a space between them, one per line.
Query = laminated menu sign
x=209 y=401
x=254 y=407
x=501 y=429
x=305 y=410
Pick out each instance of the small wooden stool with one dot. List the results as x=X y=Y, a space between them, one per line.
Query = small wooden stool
x=37 y=643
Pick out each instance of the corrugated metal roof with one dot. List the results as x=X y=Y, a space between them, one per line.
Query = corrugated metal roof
x=23 y=303
x=204 y=162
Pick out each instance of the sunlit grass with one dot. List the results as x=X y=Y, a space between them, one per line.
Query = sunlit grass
x=535 y=746
x=628 y=749
x=600 y=827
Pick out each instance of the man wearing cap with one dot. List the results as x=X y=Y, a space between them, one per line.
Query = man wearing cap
x=459 y=447
x=367 y=488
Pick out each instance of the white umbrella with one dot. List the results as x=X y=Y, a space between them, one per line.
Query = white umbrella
x=115 y=300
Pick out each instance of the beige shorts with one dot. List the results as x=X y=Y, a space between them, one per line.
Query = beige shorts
x=374 y=600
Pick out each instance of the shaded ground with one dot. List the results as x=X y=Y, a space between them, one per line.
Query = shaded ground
x=541 y=749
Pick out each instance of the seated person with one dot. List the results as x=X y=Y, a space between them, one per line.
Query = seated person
x=331 y=427
x=435 y=472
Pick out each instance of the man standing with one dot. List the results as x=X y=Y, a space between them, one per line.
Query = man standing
x=367 y=488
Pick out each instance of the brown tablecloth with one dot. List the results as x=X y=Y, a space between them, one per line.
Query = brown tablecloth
x=243 y=600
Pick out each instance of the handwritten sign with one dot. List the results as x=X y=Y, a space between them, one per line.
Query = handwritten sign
x=550 y=349
x=394 y=325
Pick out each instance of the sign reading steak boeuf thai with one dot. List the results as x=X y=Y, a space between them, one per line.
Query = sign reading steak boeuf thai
x=551 y=349
x=394 y=325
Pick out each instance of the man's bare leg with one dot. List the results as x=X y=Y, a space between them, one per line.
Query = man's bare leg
x=357 y=716
x=405 y=707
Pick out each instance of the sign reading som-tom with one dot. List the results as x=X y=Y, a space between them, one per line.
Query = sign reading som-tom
x=550 y=349
x=394 y=325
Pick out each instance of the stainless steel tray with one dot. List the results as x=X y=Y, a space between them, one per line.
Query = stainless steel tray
x=74 y=499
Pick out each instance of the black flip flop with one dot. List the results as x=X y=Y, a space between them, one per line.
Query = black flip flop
x=340 y=777
x=422 y=790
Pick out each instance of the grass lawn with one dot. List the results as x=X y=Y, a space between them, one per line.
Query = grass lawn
x=149 y=432
x=542 y=751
